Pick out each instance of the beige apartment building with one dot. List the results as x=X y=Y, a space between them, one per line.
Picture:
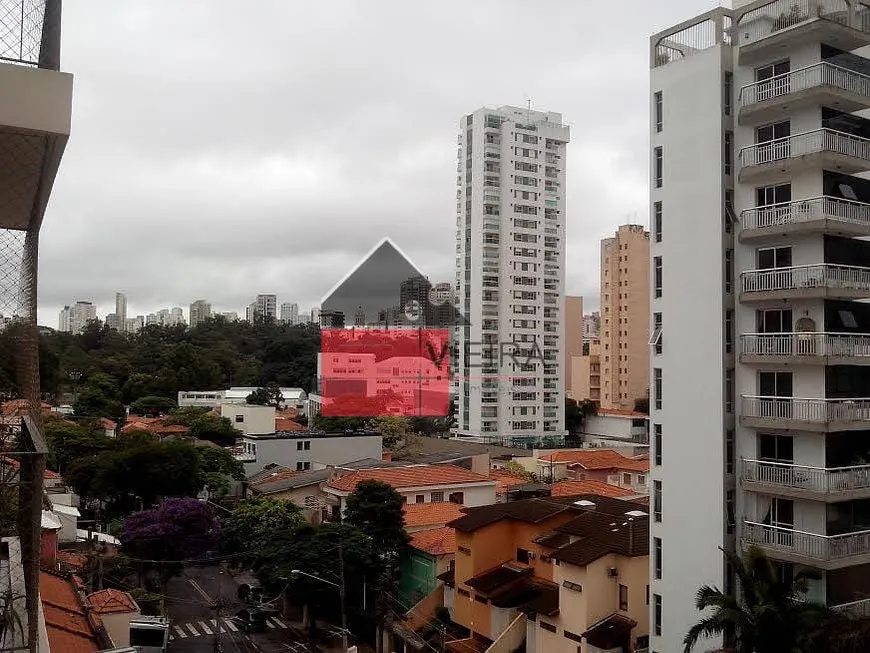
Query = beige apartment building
x=585 y=374
x=624 y=317
x=573 y=335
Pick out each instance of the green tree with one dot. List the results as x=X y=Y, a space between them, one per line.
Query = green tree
x=576 y=414
x=254 y=522
x=770 y=615
x=68 y=443
x=218 y=469
x=392 y=428
x=99 y=397
x=518 y=470
x=152 y=405
x=376 y=509
x=269 y=395
x=205 y=425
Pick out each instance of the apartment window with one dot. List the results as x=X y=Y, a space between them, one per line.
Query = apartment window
x=419 y=498
x=657 y=275
x=774 y=132
x=657 y=615
x=776 y=448
x=727 y=91
x=656 y=338
x=549 y=627
x=456 y=497
x=623 y=597
x=729 y=451
x=659 y=111
x=240 y=419
x=437 y=497
x=657 y=557
x=728 y=160
x=657 y=444
x=729 y=270
x=730 y=216
x=659 y=166
x=626 y=479
x=657 y=501
x=729 y=512
x=299 y=445
x=523 y=556
x=770 y=195
x=657 y=221
x=729 y=331
x=729 y=390
x=773 y=80
x=769 y=258
x=657 y=387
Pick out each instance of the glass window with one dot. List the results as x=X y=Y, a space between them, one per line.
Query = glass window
x=657 y=615
x=727 y=91
x=659 y=111
x=657 y=557
x=657 y=221
x=657 y=443
x=728 y=163
x=657 y=387
x=729 y=270
x=659 y=166
x=623 y=597
x=657 y=501
x=657 y=274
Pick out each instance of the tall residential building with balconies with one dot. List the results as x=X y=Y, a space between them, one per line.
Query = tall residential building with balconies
x=200 y=311
x=624 y=317
x=121 y=307
x=290 y=313
x=760 y=340
x=267 y=306
x=510 y=273
x=74 y=318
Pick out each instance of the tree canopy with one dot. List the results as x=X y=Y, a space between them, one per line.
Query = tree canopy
x=180 y=529
x=269 y=395
x=254 y=522
x=376 y=509
x=106 y=368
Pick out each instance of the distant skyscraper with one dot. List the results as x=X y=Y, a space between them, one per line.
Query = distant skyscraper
x=113 y=321
x=267 y=305
x=290 y=313
x=74 y=318
x=510 y=273
x=314 y=317
x=133 y=324
x=152 y=318
x=230 y=316
x=251 y=312
x=200 y=311
x=121 y=308
x=176 y=316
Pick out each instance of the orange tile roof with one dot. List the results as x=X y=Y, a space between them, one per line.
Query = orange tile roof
x=587 y=458
x=284 y=424
x=431 y=514
x=505 y=480
x=435 y=542
x=69 y=629
x=106 y=423
x=636 y=464
x=621 y=412
x=73 y=559
x=411 y=476
x=277 y=476
x=571 y=488
x=50 y=475
x=112 y=601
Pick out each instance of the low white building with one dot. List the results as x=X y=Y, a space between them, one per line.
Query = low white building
x=202 y=398
x=250 y=419
x=420 y=484
x=293 y=397
x=304 y=451
x=610 y=426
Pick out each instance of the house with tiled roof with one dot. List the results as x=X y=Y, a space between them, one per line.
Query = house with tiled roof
x=426 y=516
x=70 y=622
x=156 y=426
x=589 y=486
x=525 y=571
x=606 y=465
x=430 y=554
x=116 y=609
x=420 y=484
x=506 y=480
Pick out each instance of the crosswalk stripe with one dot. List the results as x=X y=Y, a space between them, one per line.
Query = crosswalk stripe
x=270 y=624
x=205 y=627
x=193 y=631
x=278 y=622
x=180 y=632
x=231 y=625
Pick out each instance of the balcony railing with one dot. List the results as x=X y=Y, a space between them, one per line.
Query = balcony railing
x=804 y=211
x=856 y=609
x=802 y=477
x=812 y=411
x=822 y=275
x=780 y=15
x=812 y=142
x=841 y=345
x=814 y=76
x=809 y=545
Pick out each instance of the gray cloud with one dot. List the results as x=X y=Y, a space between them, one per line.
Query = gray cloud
x=221 y=149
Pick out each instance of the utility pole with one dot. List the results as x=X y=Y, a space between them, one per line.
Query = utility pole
x=219 y=631
x=342 y=592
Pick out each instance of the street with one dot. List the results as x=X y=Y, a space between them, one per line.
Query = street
x=196 y=626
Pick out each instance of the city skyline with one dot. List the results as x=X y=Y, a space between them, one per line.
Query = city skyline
x=237 y=213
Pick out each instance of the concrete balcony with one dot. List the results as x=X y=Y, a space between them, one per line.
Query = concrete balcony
x=802 y=414
x=804 y=482
x=822 y=84
x=817 y=149
x=765 y=32
x=799 y=547
x=855 y=609
x=805 y=348
x=823 y=280
x=34 y=128
x=825 y=215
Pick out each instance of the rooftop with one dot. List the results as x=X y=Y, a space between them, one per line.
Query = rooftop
x=596 y=459
x=112 y=601
x=621 y=412
x=311 y=435
x=506 y=479
x=430 y=514
x=67 y=623
x=435 y=542
x=530 y=511
x=410 y=476
x=573 y=488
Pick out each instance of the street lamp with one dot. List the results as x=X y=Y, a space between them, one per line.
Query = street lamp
x=341 y=590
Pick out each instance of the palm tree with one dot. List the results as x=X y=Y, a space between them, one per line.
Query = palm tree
x=770 y=615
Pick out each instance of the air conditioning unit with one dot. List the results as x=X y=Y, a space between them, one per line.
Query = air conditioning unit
x=612 y=572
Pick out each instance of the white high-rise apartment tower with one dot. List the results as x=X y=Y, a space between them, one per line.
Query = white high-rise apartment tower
x=121 y=307
x=510 y=272
x=200 y=311
x=290 y=313
x=267 y=305
x=760 y=390
x=74 y=318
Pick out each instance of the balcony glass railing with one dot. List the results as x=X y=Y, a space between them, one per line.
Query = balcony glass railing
x=809 y=210
x=852 y=345
x=802 y=477
x=802 y=277
x=812 y=142
x=810 y=545
x=814 y=76
x=807 y=410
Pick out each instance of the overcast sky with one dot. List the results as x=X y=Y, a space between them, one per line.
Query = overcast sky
x=223 y=149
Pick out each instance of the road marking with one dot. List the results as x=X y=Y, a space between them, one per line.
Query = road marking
x=270 y=624
x=180 y=632
x=205 y=627
x=199 y=590
x=278 y=622
x=193 y=631
x=231 y=625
